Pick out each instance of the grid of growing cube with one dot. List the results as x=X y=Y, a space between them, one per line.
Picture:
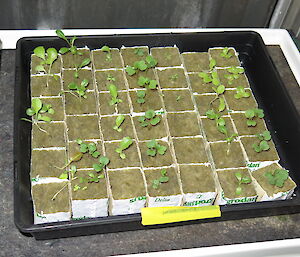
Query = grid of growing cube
x=115 y=130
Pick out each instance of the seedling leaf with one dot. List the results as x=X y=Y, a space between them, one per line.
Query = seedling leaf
x=40 y=52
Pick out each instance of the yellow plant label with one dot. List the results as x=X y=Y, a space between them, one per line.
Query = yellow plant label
x=162 y=215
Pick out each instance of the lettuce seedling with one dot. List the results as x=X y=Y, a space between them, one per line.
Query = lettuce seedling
x=234 y=74
x=119 y=120
x=151 y=61
x=263 y=144
x=110 y=78
x=124 y=144
x=47 y=58
x=140 y=96
x=107 y=50
x=147 y=83
x=75 y=158
x=90 y=148
x=72 y=48
x=85 y=62
x=241 y=180
x=241 y=93
x=277 y=177
x=79 y=89
x=163 y=179
x=154 y=147
x=142 y=65
x=251 y=114
x=139 y=52
x=210 y=77
x=174 y=77
x=226 y=53
x=150 y=118
x=37 y=111
x=103 y=161
x=114 y=94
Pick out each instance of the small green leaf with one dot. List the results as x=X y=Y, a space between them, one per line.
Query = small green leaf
x=60 y=34
x=30 y=112
x=161 y=149
x=212 y=63
x=163 y=179
x=142 y=81
x=97 y=167
x=155 y=183
x=130 y=70
x=152 y=143
x=238 y=190
x=139 y=52
x=220 y=89
x=83 y=148
x=63 y=176
x=96 y=154
x=105 y=49
x=221 y=105
x=45 y=118
x=256 y=148
x=72 y=86
x=122 y=156
x=51 y=55
x=267 y=135
x=151 y=61
x=155 y=121
x=246 y=180
x=150 y=114
x=79 y=141
x=141 y=65
x=92 y=147
x=151 y=152
x=251 y=123
x=264 y=145
x=40 y=68
x=153 y=84
x=260 y=113
x=84 y=83
x=64 y=50
x=36 y=105
x=85 y=62
x=104 y=160
x=141 y=93
x=40 y=52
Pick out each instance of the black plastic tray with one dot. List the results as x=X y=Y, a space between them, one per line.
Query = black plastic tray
x=280 y=114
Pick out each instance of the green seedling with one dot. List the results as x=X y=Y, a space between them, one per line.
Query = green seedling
x=79 y=89
x=110 y=78
x=124 y=144
x=79 y=67
x=90 y=148
x=72 y=48
x=150 y=118
x=234 y=74
x=263 y=144
x=178 y=98
x=154 y=147
x=140 y=96
x=142 y=65
x=226 y=53
x=251 y=114
x=114 y=95
x=139 y=52
x=212 y=64
x=47 y=58
x=163 y=179
x=277 y=177
x=75 y=158
x=37 y=111
x=210 y=77
x=119 y=120
x=241 y=180
x=103 y=161
x=107 y=50
x=147 y=83
x=241 y=93
x=174 y=77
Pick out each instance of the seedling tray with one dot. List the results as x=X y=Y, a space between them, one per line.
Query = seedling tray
x=280 y=115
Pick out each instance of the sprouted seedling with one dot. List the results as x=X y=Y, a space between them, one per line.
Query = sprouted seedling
x=163 y=179
x=103 y=161
x=226 y=53
x=72 y=48
x=155 y=148
x=90 y=148
x=251 y=114
x=241 y=180
x=142 y=65
x=114 y=95
x=174 y=77
x=47 y=58
x=79 y=89
x=75 y=158
x=150 y=118
x=140 y=96
x=241 y=93
x=277 y=177
x=110 y=78
x=139 y=52
x=147 y=83
x=212 y=64
x=234 y=73
x=178 y=98
x=119 y=120
x=124 y=144
x=79 y=67
x=263 y=145
x=37 y=111
x=107 y=50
